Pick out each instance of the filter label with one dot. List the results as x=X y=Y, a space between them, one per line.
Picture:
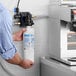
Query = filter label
x=28 y=41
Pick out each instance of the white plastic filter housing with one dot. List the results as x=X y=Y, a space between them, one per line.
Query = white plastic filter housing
x=28 y=43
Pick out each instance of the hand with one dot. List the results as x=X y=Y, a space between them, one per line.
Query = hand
x=26 y=64
x=18 y=36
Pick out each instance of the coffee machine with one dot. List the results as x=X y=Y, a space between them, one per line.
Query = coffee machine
x=62 y=33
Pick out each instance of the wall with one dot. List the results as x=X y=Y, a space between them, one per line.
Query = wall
x=36 y=7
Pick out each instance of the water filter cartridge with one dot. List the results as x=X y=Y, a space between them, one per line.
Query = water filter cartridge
x=28 y=42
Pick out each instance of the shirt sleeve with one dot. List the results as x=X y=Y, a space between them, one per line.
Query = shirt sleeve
x=7 y=47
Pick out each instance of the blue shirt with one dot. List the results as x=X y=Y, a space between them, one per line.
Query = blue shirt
x=7 y=48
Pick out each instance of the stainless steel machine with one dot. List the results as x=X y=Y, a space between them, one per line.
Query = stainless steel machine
x=62 y=33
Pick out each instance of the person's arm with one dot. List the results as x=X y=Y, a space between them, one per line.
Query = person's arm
x=17 y=60
x=9 y=52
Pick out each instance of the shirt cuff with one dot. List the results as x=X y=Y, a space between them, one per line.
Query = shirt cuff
x=9 y=54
